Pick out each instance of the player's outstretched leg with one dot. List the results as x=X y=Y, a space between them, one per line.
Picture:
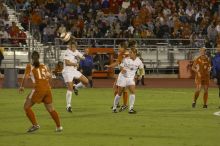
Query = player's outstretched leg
x=83 y=83
x=76 y=91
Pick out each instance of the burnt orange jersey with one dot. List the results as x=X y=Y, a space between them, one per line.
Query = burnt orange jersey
x=38 y=76
x=120 y=57
x=202 y=65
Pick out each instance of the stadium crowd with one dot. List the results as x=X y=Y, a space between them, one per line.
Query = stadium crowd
x=186 y=19
x=9 y=31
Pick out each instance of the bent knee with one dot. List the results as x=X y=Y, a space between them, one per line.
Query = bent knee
x=85 y=82
x=26 y=108
x=206 y=91
x=27 y=105
x=50 y=110
x=49 y=107
x=132 y=92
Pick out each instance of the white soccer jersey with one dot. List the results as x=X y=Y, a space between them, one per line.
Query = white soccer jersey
x=73 y=58
x=131 y=66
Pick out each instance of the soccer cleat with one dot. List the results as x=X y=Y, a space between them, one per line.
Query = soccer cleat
x=33 y=128
x=75 y=91
x=69 y=109
x=131 y=111
x=205 y=106
x=193 y=105
x=118 y=106
x=114 y=111
x=123 y=107
x=59 y=129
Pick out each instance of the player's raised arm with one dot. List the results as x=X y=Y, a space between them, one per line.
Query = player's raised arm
x=141 y=71
x=194 y=66
x=25 y=78
x=68 y=63
x=141 y=68
x=81 y=56
x=122 y=68
x=48 y=75
x=209 y=66
x=114 y=64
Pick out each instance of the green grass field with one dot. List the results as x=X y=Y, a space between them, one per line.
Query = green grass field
x=164 y=118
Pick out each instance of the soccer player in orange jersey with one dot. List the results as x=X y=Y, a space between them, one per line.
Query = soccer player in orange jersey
x=121 y=55
x=41 y=92
x=201 y=66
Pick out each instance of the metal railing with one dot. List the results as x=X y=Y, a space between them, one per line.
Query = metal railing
x=140 y=42
x=158 y=55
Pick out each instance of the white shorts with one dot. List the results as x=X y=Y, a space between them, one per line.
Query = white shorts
x=124 y=82
x=69 y=76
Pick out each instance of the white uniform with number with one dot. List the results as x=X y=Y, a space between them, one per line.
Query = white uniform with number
x=70 y=72
x=131 y=67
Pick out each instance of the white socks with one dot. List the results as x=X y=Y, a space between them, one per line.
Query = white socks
x=79 y=85
x=116 y=100
x=131 y=101
x=68 y=98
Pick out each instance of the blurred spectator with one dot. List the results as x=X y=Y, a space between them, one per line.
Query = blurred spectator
x=61 y=29
x=58 y=69
x=49 y=34
x=14 y=32
x=114 y=6
x=86 y=66
x=4 y=36
x=105 y=4
x=126 y=4
x=6 y=20
x=57 y=72
x=51 y=5
x=19 y=4
x=3 y=10
x=190 y=13
x=24 y=19
x=35 y=19
x=22 y=37
x=115 y=18
x=212 y=33
x=26 y=5
x=122 y=16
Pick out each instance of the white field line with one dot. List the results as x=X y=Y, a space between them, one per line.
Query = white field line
x=216 y=113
